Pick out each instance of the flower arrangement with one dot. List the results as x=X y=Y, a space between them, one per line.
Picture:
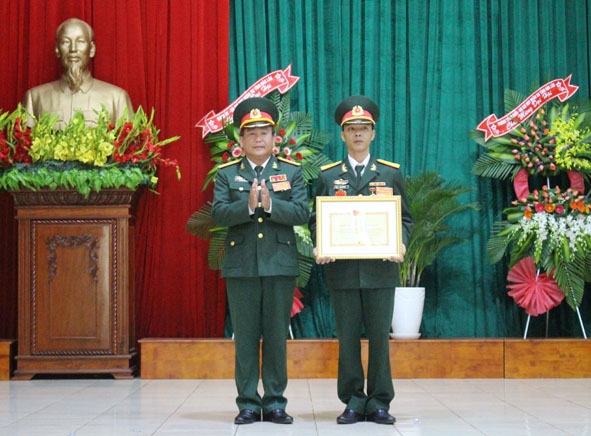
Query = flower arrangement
x=552 y=224
x=555 y=139
x=35 y=155
x=553 y=227
x=295 y=140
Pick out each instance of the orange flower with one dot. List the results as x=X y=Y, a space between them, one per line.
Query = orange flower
x=528 y=213
x=550 y=207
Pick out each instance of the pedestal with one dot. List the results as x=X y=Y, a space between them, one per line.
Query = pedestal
x=75 y=283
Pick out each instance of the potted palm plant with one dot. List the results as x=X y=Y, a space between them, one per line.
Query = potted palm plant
x=432 y=201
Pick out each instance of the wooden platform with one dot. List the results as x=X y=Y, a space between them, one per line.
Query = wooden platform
x=423 y=358
x=7 y=353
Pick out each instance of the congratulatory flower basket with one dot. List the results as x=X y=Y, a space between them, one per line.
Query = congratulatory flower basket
x=80 y=157
x=547 y=230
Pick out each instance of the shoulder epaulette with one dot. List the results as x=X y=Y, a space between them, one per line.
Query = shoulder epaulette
x=282 y=159
x=229 y=164
x=330 y=165
x=390 y=164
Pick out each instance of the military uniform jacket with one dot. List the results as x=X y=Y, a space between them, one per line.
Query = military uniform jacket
x=262 y=244
x=378 y=178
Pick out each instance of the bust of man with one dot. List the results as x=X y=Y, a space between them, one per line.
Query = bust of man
x=76 y=90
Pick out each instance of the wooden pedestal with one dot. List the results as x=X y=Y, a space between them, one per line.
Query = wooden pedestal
x=75 y=283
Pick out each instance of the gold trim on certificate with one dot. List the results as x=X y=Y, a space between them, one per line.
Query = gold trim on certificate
x=362 y=227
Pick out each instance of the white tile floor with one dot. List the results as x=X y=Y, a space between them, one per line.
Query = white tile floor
x=442 y=407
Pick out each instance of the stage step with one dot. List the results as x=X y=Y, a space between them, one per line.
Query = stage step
x=7 y=353
x=422 y=358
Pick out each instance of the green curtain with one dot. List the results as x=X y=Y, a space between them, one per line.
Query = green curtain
x=436 y=69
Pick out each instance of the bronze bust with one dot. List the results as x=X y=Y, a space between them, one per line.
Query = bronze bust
x=76 y=90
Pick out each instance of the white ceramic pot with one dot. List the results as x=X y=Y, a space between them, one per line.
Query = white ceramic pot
x=408 y=312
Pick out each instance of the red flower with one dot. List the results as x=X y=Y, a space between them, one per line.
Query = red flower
x=559 y=209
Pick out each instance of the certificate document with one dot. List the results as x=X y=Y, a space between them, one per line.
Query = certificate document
x=362 y=227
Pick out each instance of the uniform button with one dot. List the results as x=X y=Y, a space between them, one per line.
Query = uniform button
x=260 y=220
x=260 y=236
x=241 y=188
x=232 y=243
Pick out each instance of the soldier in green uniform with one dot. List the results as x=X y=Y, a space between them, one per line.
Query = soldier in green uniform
x=260 y=198
x=362 y=291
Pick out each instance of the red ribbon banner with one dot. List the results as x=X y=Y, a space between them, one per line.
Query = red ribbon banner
x=281 y=80
x=561 y=88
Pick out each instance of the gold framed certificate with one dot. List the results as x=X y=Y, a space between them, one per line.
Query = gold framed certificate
x=361 y=227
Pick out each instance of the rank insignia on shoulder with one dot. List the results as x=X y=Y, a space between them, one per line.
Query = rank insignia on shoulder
x=329 y=166
x=229 y=164
x=291 y=162
x=390 y=164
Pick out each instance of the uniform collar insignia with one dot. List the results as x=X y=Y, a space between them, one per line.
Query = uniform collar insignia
x=373 y=167
x=344 y=168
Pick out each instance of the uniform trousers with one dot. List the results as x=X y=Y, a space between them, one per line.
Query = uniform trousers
x=260 y=307
x=372 y=309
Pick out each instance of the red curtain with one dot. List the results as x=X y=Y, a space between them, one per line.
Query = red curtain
x=171 y=56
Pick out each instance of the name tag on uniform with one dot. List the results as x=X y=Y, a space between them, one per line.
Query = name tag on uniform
x=281 y=186
x=384 y=191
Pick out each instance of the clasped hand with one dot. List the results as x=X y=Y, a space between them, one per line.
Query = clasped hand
x=259 y=195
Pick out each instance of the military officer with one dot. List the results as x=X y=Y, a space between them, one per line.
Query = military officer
x=362 y=291
x=260 y=198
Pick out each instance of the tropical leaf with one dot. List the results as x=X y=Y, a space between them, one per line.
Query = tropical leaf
x=497 y=242
x=217 y=248
x=488 y=166
x=201 y=223
x=569 y=275
x=432 y=201
x=512 y=99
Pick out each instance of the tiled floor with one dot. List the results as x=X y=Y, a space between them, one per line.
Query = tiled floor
x=100 y=407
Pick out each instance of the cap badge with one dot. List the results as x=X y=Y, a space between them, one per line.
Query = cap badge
x=255 y=113
x=357 y=110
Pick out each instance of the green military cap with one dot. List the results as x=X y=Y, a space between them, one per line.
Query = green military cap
x=255 y=112
x=356 y=109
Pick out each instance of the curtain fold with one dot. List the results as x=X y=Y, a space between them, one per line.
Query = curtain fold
x=170 y=56
x=436 y=69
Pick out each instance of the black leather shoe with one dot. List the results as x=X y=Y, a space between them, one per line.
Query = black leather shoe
x=381 y=416
x=349 y=416
x=278 y=416
x=247 y=416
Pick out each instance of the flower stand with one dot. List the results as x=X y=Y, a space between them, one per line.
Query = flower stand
x=75 y=283
x=547 y=318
